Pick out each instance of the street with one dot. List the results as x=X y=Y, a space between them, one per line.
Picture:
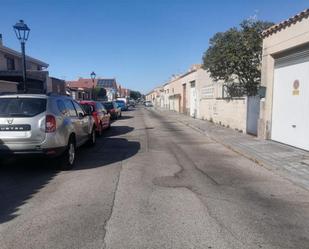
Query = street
x=151 y=182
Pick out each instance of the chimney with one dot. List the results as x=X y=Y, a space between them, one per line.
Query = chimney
x=1 y=42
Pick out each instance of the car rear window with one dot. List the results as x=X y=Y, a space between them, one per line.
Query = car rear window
x=120 y=102
x=109 y=105
x=87 y=108
x=21 y=107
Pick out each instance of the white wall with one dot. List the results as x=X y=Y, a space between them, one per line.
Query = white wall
x=230 y=113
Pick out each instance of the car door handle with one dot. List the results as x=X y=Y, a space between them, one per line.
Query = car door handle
x=294 y=126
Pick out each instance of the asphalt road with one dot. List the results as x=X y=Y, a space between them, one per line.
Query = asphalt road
x=151 y=182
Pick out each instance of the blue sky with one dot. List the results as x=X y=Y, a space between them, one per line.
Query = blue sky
x=140 y=42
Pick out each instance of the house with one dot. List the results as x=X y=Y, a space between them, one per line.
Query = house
x=285 y=74
x=55 y=85
x=81 y=89
x=110 y=86
x=8 y=86
x=196 y=94
x=122 y=92
x=11 y=71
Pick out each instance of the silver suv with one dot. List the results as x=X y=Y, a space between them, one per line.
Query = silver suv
x=44 y=125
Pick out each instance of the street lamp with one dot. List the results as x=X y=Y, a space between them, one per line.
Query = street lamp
x=22 y=33
x=93 y=75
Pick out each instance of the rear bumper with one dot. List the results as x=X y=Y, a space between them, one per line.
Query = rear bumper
x=51 y=152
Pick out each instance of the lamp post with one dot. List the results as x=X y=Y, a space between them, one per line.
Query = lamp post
x=93 y=75
x=22 y=33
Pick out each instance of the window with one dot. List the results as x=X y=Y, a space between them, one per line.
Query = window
x=109 y=105
x=61 y=106
x=87 y=108
x=100 y=107
x=70 y=108
x=21 y=107
x=78 y=108
x=10 y=63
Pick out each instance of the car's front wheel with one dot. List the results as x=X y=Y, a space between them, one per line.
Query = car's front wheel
x=69 y=156
x=92 y=138
x=100 y=131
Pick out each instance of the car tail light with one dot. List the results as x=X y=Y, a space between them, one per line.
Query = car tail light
x=50 y=124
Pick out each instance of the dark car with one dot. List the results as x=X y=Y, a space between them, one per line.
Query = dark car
x=99 y=113
x=122 y=105
x=112 y=108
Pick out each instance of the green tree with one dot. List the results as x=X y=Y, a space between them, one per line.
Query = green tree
x=99 y=93
x=135 y=95
x=235 y=57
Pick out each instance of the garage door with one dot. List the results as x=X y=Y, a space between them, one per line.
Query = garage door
x=290 y=114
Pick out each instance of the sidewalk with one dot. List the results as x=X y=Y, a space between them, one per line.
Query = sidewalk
x=286 y=161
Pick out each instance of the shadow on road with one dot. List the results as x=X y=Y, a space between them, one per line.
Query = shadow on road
x=20 y=179
x=125 y=117
x=117 y=131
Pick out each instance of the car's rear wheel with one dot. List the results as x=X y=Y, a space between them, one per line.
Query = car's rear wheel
x=69 y=156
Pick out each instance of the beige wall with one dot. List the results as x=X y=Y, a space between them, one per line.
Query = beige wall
x=210 y=104
x=6 y=86
x=213 y=107
x=230 y=113
x=295 y=35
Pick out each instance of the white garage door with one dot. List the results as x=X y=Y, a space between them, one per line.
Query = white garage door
x=290 y=114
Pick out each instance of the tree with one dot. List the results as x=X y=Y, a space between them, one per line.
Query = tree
x=135 y=95
x=235 y=57
x=100 y=93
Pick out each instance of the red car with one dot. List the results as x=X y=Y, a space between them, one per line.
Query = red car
x=99 y=113
x=112 y=109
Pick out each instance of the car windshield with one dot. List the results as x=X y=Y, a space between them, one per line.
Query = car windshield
x=21 y=107
x=108 y=105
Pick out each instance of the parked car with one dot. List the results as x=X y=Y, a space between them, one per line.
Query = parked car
x=132 y=102
x=122 y=105
x=125 y=99
x=53 y=126
x=99 y=113
x=148 y=104
x=112 y=109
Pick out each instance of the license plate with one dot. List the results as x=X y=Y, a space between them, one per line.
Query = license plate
x=20 y=127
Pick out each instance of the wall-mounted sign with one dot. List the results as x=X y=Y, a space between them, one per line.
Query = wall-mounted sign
x=296 y=87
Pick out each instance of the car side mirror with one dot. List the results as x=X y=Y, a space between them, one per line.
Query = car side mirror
x=81 y=115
